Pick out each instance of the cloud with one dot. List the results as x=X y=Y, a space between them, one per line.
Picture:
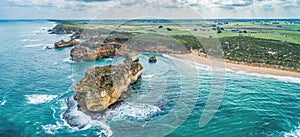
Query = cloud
x=232 y=4
x=171 y=8
x=94 y=0
x=71 y=4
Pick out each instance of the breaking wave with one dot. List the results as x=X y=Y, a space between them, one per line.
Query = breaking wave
x=38 y=99
x=81 y=121
x=38 y=45
x=130 y=111
x=68 y=60
x=3 y=102
x=52 y=129
x=293 y=133
x=280 y=78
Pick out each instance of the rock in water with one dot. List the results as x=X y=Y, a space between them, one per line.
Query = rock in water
x=152 y=59
x=63 y=43
x=103 y=86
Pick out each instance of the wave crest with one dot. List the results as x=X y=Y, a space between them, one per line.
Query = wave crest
x=38 y=99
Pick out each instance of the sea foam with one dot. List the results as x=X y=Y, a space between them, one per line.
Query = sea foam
x=280 y=78
x=30 y=40
x=52 y=129
x=126 y=110
x=80 y=121
x=3 y=102
x=293 y=133
x=68 y=60
x=38 y=45
x=38 y=99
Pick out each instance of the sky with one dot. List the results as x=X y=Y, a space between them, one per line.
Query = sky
x=133 y=9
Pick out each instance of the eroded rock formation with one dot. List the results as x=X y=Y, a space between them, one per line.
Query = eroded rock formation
x=62 y=43
x=109 y=50
x=103 y=86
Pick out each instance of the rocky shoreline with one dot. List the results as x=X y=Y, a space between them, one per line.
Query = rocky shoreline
x=101 y=87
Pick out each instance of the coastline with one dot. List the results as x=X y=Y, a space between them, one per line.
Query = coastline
x=236 y=67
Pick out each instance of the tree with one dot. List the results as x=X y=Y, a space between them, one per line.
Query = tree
x=168 y=29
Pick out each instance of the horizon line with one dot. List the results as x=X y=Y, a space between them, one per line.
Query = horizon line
x=20 y=19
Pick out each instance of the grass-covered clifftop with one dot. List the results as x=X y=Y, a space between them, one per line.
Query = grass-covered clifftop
x=262 y=52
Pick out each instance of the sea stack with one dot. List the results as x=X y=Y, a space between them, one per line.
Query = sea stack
x=62 y=43
x=152 y=59
x=103 y=86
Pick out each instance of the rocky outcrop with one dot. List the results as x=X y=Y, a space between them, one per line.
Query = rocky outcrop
x=152 y=59
x=76 y=35
x=103 y=86
x=132 y=56
x=62 y=43
x=109 y=50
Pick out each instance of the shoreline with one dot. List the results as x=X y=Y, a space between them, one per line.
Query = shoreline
x=234 y=66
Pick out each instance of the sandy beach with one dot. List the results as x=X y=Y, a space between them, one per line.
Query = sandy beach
x=194 y=56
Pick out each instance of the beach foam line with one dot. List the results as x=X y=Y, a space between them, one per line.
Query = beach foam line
x=280 y=78
x=190 y=62
x=38 y=99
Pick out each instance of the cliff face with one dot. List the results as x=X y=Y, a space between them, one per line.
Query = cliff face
x=109 y=50
x=103 y=86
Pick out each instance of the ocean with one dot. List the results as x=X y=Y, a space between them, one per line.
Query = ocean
x=171 y=99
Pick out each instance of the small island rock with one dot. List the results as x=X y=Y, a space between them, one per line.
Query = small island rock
x=63 y=43
x=152 y=59
x=102 y=86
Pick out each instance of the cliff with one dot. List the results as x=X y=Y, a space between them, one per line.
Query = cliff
x=103 y=86
x=108 y=50
x=62 y=29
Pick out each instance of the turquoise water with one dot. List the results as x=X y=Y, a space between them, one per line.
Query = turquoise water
x=36 y=91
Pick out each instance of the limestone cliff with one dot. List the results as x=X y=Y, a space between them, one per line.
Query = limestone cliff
x=103 y=86
x=109 y=50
